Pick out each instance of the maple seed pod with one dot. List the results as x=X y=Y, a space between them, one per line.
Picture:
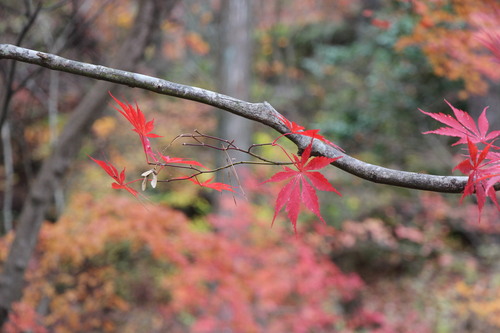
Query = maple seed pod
x=154 y=181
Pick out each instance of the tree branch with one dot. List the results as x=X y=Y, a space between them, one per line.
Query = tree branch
x=263 y=113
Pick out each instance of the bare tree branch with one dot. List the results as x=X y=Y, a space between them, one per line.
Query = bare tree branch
x=263 y=113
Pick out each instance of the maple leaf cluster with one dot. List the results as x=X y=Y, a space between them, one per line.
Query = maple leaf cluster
x=298 y=189
x=297 y=129
x=482 y=162
x=302 y=182
x=119 y=178
x=144 y=129
x=141 y=126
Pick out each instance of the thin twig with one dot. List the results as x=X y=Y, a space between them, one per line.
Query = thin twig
x=200 y=172
x=232 y=146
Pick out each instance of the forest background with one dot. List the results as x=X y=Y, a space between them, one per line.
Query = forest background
x=388 y=260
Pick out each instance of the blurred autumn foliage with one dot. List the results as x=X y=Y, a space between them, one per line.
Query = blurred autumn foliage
x=387 y=260
x=188 y=275
x=112 y=264
x=455 y=52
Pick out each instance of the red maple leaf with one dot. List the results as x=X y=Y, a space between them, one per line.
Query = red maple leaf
x=491 y=181
x=141 y=127
x=207 y=183
x=302 y=185
x=179 y=160
x=479 y=168
x=464 y=126
x=297 y=129
x=118 y=177
x=492 y=175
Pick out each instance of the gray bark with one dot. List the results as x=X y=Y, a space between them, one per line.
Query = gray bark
x=235 y=61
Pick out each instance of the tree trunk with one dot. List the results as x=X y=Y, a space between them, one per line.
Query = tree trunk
x=234 y=67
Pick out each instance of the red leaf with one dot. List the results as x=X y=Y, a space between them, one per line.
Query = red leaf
x=297 y=129
x=136 y=118
x=490 y=190
x=463 y=126
x=216 y=186
x=178 y=160
x=125 y=187
x=305 y=155
x=310 y=199
x=319 y=162
x=283 y=198
x=321 y=183
x=279 y=176
x=479 y=169
x=292 y=126
x=119 y=178
x=141 y=127
x=293 y=206
x=108 y=167
x=481 y=166
x=298 y=189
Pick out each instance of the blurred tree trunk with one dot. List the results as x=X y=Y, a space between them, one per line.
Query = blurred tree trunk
x=148 y=19
x=234 y=70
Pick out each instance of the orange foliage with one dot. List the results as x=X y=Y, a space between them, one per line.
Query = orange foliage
x=196 y=43
x=104 y=126
x=106 y=257
x=302 y=12
x=178 y=40
x=480 y=304
x=450 y=32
